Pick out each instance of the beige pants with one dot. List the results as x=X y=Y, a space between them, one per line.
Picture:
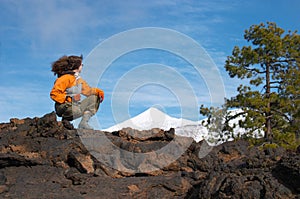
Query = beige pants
x=70 y=111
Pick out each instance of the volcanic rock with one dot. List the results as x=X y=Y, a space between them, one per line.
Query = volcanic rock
x=39 y=158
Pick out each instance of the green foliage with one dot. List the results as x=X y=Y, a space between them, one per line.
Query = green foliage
x=269 y=146
x=255 y=141
x=286 y=140
x=270 y=98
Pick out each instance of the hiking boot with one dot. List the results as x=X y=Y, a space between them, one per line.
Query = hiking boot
x=84 y=121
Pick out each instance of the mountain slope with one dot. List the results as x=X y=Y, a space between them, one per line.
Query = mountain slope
x=152 y=118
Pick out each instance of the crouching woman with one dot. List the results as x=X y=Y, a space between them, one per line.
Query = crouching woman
x=67 y=91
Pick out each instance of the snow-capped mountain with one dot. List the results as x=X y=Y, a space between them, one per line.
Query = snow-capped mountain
x=152 y=118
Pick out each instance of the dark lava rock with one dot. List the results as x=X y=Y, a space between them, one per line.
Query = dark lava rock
x=40 y=158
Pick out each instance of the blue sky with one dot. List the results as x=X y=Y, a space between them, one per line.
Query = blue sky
x=34 y=33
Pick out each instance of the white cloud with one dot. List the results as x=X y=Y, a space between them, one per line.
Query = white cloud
x=26 y=100
x=50 y=21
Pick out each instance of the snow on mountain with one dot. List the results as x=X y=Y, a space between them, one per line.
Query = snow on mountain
x=152 y=118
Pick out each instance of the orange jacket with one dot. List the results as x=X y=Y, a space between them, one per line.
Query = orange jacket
x=59 y=94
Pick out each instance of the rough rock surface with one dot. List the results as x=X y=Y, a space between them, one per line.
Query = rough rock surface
x=39 y=158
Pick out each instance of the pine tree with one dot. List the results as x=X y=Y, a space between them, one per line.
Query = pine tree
x=269 y=99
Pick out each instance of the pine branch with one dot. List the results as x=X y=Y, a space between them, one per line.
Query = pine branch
x=276 y=82
x=234 y=116
x=282 y=114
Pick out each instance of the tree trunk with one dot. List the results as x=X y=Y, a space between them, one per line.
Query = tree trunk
x=268 y=133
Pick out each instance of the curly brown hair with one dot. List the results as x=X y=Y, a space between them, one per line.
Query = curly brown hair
x=66 y=65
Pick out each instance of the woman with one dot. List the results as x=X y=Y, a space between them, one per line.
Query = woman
x=67 y=91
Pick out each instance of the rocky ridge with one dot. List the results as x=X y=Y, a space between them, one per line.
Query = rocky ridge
x=39 y=158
